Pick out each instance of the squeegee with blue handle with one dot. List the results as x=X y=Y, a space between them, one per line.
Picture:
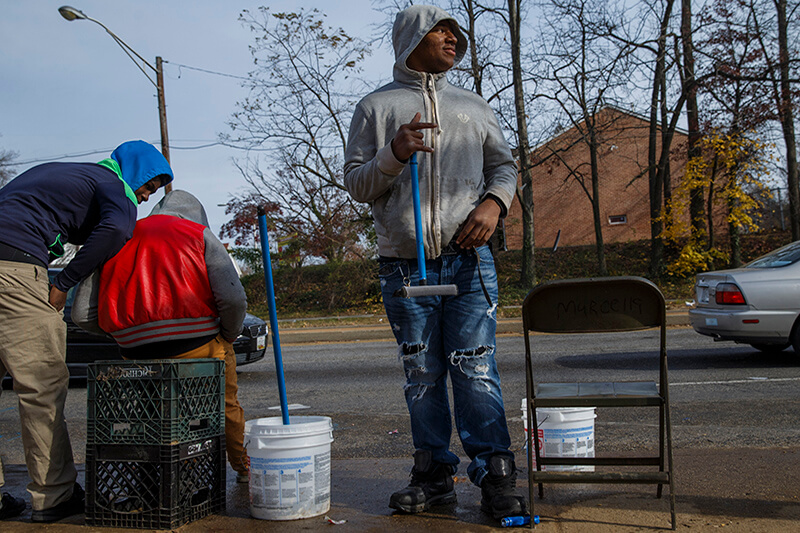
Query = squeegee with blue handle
x=423 y=289
x=273 y=314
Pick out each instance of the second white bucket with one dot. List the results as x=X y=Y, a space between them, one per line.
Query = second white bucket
x=290 y=466
x=563 y=432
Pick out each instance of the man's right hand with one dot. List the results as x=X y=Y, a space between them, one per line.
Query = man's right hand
x=410 y=139
x=58 y=298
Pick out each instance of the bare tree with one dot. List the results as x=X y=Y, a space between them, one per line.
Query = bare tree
x=581 y=71
x=783 y=97
x=294 y=125
x=7 y=172
x=660 y=63
x=525 y=190
x=773 y=27
x=733 y=106
x=657 y=165
x=784 y=101
x=696 y=195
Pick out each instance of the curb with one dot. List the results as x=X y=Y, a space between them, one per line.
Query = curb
x=383 y=332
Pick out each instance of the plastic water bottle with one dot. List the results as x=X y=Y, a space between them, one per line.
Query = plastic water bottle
x=512 y=521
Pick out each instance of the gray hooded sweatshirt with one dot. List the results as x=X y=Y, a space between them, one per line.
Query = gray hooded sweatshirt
x=471 y=158
x=229 y=295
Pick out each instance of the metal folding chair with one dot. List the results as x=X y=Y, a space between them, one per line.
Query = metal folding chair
x=614 y=304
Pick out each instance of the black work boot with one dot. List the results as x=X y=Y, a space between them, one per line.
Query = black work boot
x=75 y=505
x=498 y=489
x=11 y=506
x=431 y=484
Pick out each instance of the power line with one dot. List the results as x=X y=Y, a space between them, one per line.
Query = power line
x=200 y=146
x=49 y=159
x=109 y=150
x=65 y=156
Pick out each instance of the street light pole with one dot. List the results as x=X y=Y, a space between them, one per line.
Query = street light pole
x=70 y=13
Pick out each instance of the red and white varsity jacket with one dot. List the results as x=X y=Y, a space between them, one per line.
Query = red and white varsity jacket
x=161 y=285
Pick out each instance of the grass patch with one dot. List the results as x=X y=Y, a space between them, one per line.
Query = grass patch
x=349 y=293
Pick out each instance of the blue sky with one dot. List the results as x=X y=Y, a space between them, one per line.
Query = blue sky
x=67 y=88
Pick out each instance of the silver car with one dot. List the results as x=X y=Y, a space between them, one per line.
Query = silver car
x=757 y=304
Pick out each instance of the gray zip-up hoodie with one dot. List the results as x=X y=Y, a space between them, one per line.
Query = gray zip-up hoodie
x=229 y=295
x=470 y=160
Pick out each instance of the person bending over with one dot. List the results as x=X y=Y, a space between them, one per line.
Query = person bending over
x=42 y=209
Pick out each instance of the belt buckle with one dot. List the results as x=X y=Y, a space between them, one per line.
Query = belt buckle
x=452 y=248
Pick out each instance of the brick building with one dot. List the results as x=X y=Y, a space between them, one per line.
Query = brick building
x=560 y=201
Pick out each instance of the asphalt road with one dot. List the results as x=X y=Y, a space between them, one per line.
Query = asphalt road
x=722 y=394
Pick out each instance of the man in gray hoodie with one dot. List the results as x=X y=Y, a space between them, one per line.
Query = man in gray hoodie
x=467 y=181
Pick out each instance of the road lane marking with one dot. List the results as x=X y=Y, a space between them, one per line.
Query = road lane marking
x=748 y=380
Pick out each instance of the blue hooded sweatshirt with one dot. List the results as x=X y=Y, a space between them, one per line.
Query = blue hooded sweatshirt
x=86 y=204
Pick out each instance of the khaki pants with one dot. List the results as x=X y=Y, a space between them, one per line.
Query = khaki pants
x=234 y=414
x=33 y=349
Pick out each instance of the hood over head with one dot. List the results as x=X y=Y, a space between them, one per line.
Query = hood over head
x=412 y=24
x=183 y=205
x=140 y=162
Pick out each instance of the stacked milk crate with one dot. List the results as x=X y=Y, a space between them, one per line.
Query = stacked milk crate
x=155 y=445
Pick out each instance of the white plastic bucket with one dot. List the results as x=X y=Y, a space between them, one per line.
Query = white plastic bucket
x=290 y=466
x=563 y=432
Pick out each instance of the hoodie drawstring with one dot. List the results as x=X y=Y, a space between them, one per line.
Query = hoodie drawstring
x=430 y=89
x=431 y=84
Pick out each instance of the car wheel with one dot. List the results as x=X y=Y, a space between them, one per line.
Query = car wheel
x=796 y=339
x=771 y=348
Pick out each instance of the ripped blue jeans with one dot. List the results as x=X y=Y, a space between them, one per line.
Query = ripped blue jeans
x=455 y=335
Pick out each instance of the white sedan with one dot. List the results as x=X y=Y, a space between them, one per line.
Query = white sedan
x=757 y=304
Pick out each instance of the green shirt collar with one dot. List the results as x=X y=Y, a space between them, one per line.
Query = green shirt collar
x=114 y=167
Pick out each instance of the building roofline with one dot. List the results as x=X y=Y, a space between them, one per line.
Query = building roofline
x=631 y=113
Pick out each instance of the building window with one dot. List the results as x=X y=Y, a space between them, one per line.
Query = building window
x=615 y=220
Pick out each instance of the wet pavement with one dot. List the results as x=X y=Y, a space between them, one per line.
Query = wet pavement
x=765 y=498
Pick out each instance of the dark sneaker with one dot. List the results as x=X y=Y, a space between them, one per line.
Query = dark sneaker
x=498 y=489
x=11 y=506
x=431 y=484
x=64 y=509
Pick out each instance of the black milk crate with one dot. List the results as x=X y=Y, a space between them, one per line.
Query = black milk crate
x=163 y=401
x=155 y=486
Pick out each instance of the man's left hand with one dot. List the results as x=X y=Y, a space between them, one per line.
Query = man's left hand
x=480 y=225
